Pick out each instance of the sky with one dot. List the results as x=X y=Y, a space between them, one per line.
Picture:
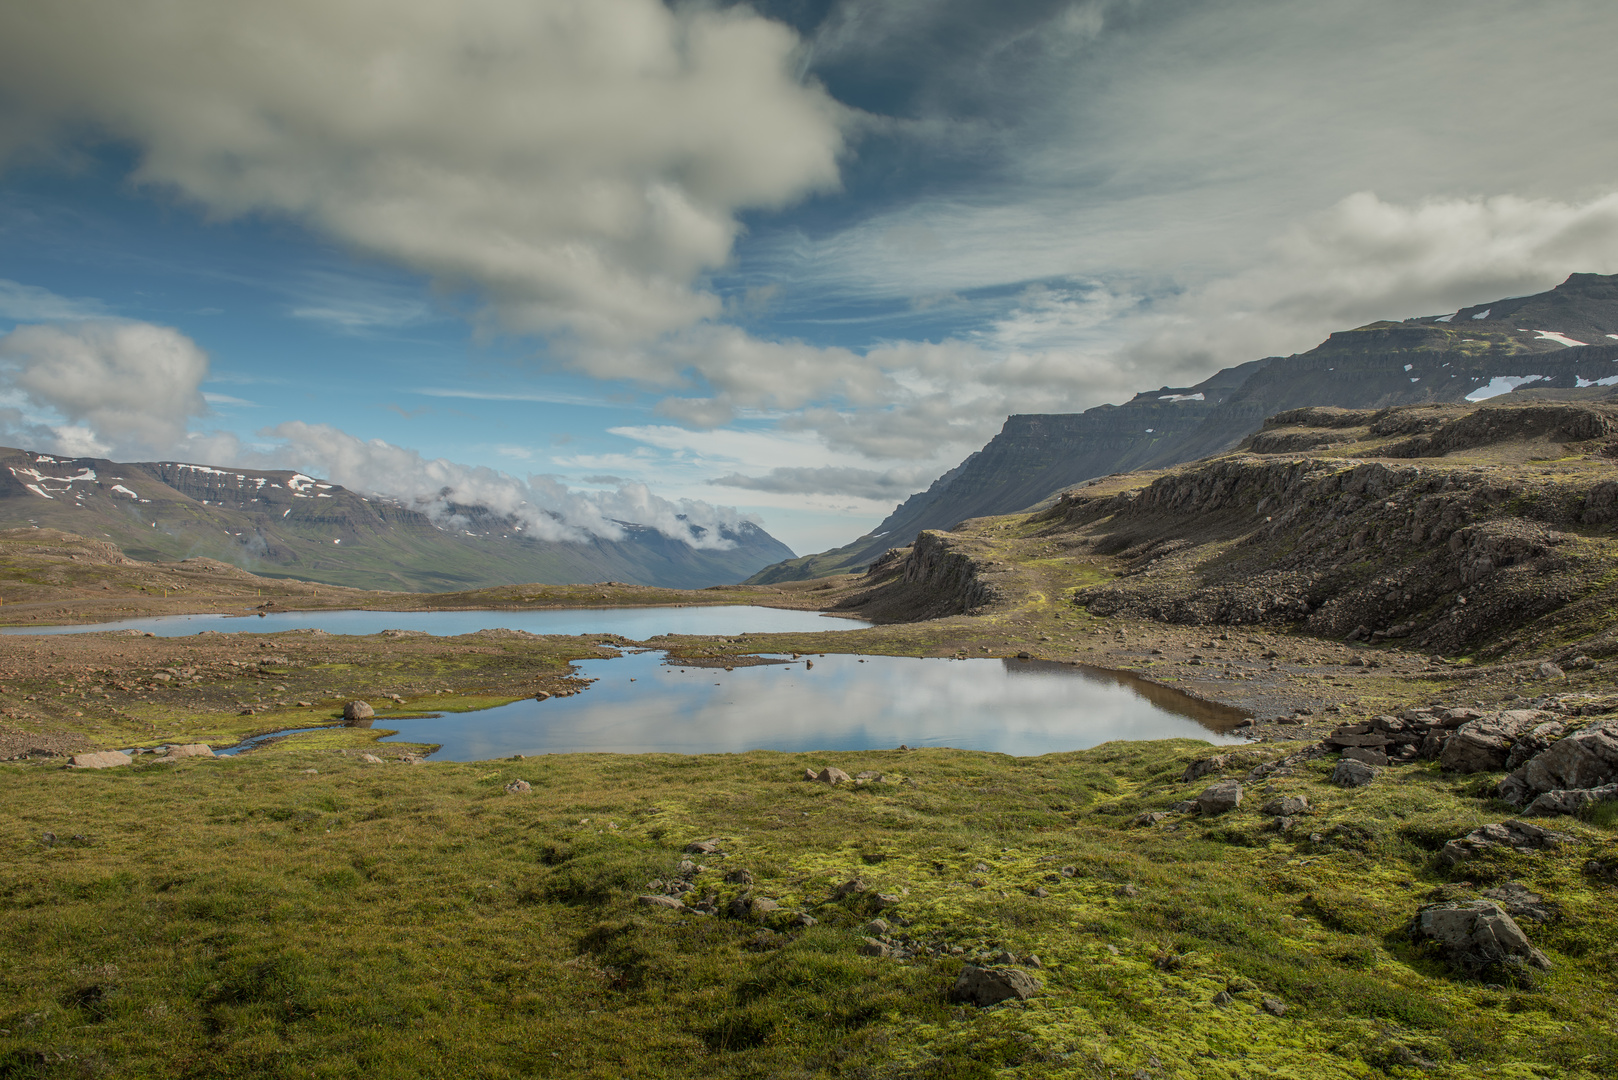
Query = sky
x=690 y=264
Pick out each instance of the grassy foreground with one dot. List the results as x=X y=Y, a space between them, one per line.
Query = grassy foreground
x=299 y=913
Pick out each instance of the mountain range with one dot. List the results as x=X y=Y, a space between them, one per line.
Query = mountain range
x=1563 y=339
x=286 y=524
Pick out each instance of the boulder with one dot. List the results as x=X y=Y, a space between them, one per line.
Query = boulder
x=1548 y=670
x=1549 y=803
x=1534 y=742
x=371 y=759
x=702 y=847
x=1518 y=835
x=1351 y=773
x=1223 y=796
x=834 y=776
x=989 y=986
x=516 y=787
x=1287 y=806
x=1476 y=934
x=1203 y=767
x=873 y=947
x=1365 y=755
x=358 y=710
x=105 y=759
x=1584 y=759
x=1484 y=744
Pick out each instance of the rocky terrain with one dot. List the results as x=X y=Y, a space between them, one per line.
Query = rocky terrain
x=285 y=524
x=1561 y=340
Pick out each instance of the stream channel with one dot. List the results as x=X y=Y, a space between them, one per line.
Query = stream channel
x=643 y=702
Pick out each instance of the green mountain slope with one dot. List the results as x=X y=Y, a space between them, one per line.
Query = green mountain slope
x=1430 y=359
x=284 y=524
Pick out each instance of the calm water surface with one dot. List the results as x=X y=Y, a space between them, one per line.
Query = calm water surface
x=637 y=623
x=641 y=705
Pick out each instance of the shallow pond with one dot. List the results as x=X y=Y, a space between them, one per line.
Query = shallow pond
x=636 y=623
x=639 y=704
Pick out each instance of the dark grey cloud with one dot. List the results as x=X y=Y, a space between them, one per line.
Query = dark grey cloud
x=858 y=483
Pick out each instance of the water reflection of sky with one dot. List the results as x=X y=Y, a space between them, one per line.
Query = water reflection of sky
x=842 y=703
x=637 y=623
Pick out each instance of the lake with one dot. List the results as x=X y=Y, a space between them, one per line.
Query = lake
x=636 y=623
x=639 y=704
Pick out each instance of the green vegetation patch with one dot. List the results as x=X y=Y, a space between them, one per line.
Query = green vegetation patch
x=295 y=912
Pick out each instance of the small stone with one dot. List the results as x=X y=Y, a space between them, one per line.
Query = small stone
x=873 y=947
x=1070 y=871
x=876 y=927
x=1032 y=961
x=1273 y=1007
x=887 y=900
x=1149 y=818
x=1039 y=891
x=517 y=787
x=666 y=903
x=810 y=775
x=739 y=876
x=1548 y=670
x=804 y=920
x=869 y=776
x=1126 y=891
x=702 y=847
x=1287 y=806
x=371 y=759
x=849 y=887
x=1203 y=766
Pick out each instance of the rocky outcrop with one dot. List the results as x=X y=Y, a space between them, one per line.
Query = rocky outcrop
x=1519 y=836
x=1567 y=774
x=1476 y=936
x=942 y=575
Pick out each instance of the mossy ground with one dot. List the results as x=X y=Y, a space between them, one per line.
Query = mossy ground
x=297 y=913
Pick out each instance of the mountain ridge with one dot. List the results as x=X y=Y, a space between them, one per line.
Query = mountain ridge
x=1432 y=358
x=279 y=523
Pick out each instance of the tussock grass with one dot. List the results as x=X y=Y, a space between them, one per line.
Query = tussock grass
x=296 y=913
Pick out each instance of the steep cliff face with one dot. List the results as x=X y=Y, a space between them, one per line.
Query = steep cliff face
x=939 y=575
x=1448 y=552
x=1561 y=339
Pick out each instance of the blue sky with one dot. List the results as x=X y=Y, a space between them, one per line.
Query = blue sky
x=791 y=260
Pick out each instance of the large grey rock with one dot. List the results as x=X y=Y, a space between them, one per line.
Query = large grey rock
x=1584 y=759
x=990 y=986
x=1518 y=835
x=1535 y=741
x=1223 y=796
x=358 y=710
x=105 y=759
x=1476 y=934
x=1351 y=773
x=831 y=775
x=1484 y=745
x=1365 y=755
x=186 y=750
x=1550 y=803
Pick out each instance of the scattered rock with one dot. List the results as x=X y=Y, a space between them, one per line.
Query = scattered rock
x=1126 y=890
x=358 y=710
x=869 y=776
x=1204 y=767
x=1522 y=903
x=1351 y=773
x=1548 y=670
x=738 y=876
x=1585 y=759
x=1223 y=998
x=876 y=927
x=1287 y=806
x=887 y=900
x=1185 y=806
x=833 y=776
x=516 y=787
x=702 y=847
x=371 y=759
x=849 y=888
x=1475 y=935
x=106 y=759
x=1365 y=755
x=1039 y=892
x=803 y=920
x=873 y=947
x=1273 y=1007
x=809 y=775
x=1520 y=836
x=990 y=986
x=1223 y=796
x=175 y=753
x=1550 y=803
x=1150 y=818
x=666 y=903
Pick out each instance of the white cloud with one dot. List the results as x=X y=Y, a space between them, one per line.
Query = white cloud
x=125 y=387
x=885 y=486
x=577 y=164
x=545 y=507
x=30 y=303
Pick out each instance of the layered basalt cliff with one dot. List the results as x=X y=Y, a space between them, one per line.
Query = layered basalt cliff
x=1451 y=553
